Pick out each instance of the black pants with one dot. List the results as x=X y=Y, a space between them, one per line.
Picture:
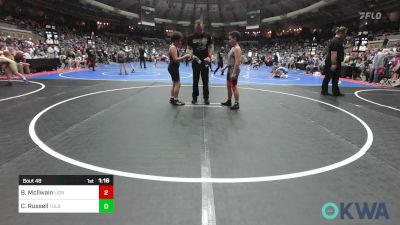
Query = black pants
x=142 y=60
x=220 y=65
x=200 y=69
x=91 y=63
x=334 y=75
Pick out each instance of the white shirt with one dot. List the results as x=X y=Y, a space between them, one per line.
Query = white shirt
x=27 y=55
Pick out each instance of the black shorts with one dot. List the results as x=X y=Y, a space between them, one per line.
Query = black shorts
x=174 y=72
x=121 y=61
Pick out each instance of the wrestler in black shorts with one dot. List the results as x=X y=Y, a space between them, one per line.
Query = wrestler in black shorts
x=173 y=67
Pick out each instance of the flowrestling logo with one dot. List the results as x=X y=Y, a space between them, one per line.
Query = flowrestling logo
x=370 y=15
x=355 y=211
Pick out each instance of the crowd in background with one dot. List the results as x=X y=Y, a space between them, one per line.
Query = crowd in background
x=379 y=65
x=373 y=65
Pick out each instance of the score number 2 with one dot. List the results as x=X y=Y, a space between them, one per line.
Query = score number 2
x=106 y=192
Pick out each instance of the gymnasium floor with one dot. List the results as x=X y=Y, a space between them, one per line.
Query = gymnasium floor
x=276 y=161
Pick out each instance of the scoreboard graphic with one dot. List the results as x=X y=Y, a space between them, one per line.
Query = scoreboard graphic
x=66 y=194
x=147 y=16
x=253 y=20
x=361 y=42
x=51 y=35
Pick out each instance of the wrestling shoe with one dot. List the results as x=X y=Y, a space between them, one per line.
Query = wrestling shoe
x=227 y=103
x=235 y=106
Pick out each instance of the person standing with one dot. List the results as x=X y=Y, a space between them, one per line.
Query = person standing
x=173 y=67
x=333 y=62
x=130 y=60
x=276 y=58
x=91 y=57
x=220 y=60
x=378 y=63
x=385 y=41
x=121 y=58
x=201 y=46
x=142 y=59
x=233 y=65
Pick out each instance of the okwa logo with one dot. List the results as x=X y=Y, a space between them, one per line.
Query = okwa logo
x=355 y=210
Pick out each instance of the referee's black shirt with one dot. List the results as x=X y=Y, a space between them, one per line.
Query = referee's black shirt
x=335 y=45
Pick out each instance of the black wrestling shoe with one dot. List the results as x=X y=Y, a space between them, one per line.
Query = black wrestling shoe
x=171 y=100
x=338 y=94
x=178 y=103
x=235 y=106
x=206 y=102
x=194 y=101
x=227 y=103
x=325 y=93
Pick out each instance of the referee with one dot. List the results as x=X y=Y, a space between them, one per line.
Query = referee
x=333 y=62
x=202 y=46
x=142 y=59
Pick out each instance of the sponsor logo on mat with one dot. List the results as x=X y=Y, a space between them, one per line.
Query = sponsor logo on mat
x=355 y=211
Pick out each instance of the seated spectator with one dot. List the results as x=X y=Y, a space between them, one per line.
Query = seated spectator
x=27 y=54
x=37 y=54
x=310 y=65
x=347 y=58
x=356 y=65
x=80 y=59
x=291 y=63
x=71 y=59
x=317 y=65
x=395 y=68
x=51 y=53
x=378 y=66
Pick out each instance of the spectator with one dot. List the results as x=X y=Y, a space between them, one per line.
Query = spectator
x=395 y=68
x=310 y=65
x=377 y=66
x=291 y=63
x=385 y=41
x=51 y=53
x=71 y=59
